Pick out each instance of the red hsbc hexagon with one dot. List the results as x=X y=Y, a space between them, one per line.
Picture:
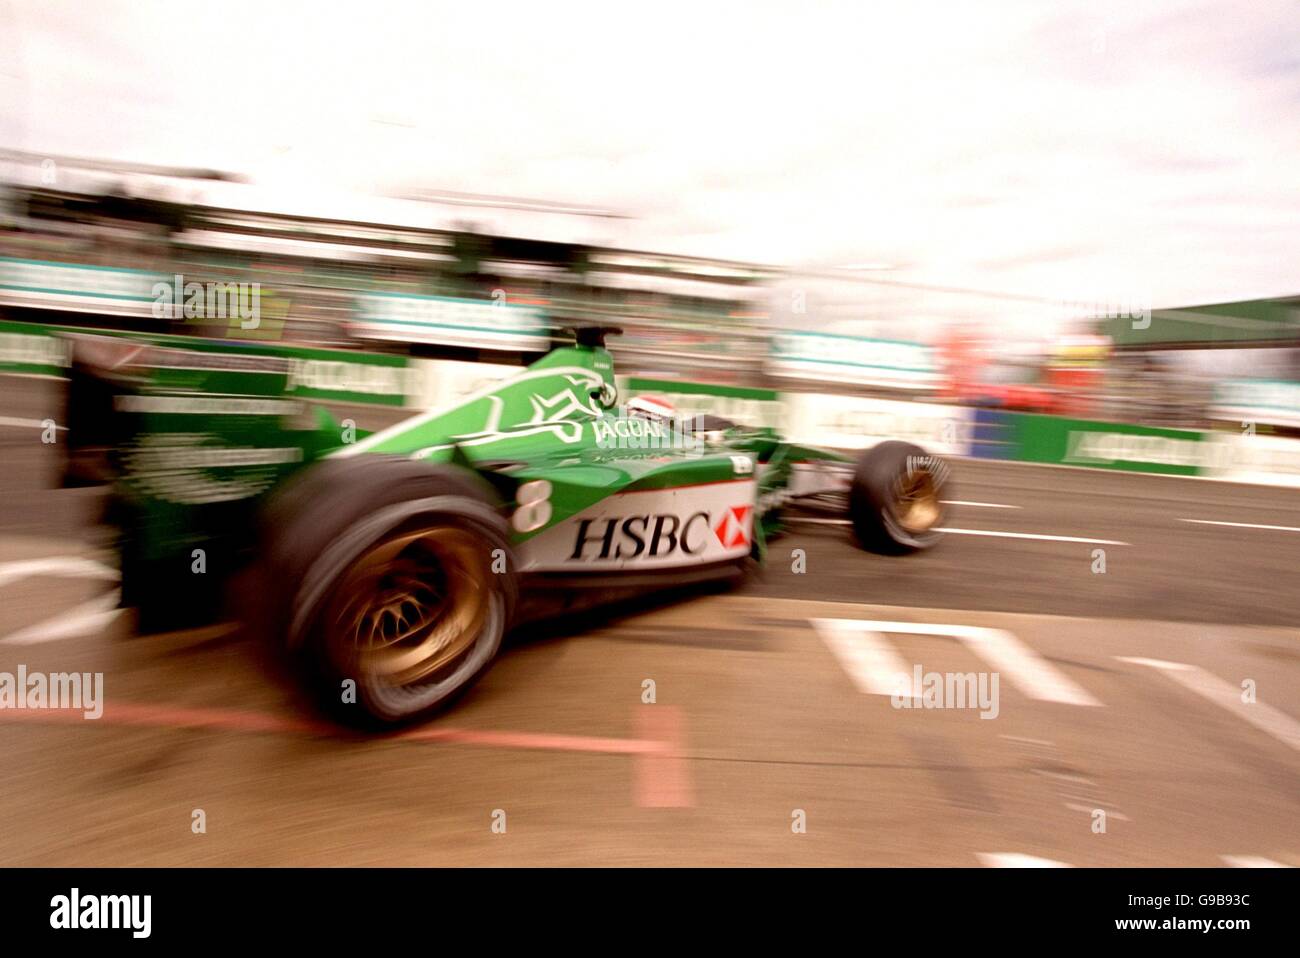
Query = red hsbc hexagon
x=733 y=529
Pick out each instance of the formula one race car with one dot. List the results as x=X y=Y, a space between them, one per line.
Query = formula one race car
x=393 y=563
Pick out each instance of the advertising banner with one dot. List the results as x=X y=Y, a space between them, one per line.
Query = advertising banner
x=326 y=374
x=855 y=360
x=448 y=321
x=855 y=422
x=31 y=350
x=1105 y=445
x=75 y=287
x=351 y=376
x=1261 y=460
x=1272 y=402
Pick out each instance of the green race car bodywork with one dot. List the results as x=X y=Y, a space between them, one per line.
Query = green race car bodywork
x=576 y=464
x=202 y=432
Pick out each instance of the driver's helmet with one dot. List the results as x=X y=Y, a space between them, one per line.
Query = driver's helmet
x=654 y=408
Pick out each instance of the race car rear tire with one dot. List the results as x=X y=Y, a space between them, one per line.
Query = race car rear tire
x=393 y=582
x=895 y=499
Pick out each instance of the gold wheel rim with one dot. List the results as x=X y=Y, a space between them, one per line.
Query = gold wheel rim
x=410 y=606
x=917 y=504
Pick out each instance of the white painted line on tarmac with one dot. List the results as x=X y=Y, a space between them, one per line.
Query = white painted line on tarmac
x=978 y=505
x=1264 y=717
x=1026 y=669
x=871 y=662
x=874 y=665
x=1242 y=525
x=1250 y=861
x=1016 y=860
x=66 y=567
x=1157 y=663
x=814 y=520
x=79 y=620
x=1030 y=535
x=1026 y=741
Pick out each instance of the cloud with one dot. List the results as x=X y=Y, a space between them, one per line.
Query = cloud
x=1144 y=147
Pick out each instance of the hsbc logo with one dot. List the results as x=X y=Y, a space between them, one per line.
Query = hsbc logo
x=659 y=535
x=633 y=537
x=733 y=529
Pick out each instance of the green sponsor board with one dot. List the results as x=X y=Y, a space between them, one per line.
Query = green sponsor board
x=322 y=374
x=377 y=379
x=31 y=350
x=1107 y=445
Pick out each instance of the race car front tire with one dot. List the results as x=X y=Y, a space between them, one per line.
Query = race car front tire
x=895 y=499
x=396 y=583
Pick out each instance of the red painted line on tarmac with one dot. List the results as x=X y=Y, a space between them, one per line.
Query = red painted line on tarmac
x=539 y=740
x=660 y=771
x=662 y=777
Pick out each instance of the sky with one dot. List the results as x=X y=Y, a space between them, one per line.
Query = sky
x=1093 y=151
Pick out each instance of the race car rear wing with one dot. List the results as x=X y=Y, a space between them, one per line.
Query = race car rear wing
x=188 y=436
